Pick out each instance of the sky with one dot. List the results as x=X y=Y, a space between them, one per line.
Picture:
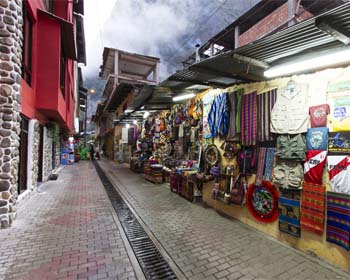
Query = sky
x=168 y=29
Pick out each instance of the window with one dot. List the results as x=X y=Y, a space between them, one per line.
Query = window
x=27 y=46
x=63 y=73
x=49 y=5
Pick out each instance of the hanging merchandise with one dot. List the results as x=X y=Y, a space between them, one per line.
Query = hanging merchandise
x=317 y=138
x=338 y=219
x=289 y=216
x=239 y=96
x=313 y=207
x=288 y=174
x=291 y=146
x=249 y=119
x=218 y=117
x=230 y=148
x=339 y=142
x=235 y=100
x=207 y=102
x=269 y=163
x=338 y=95
x=339 y=173
x=262 y=202
x=211 y=155
x=246 y=160
x=238 y=190
x=266 y=101
x=318 y=115
x=290 y=114
x=313 y=166
x=261 y=165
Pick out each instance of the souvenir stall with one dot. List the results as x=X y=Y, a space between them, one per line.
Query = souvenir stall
x=278 y=152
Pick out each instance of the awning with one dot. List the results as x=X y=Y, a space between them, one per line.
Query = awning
x=81 y=50
x=248 y=63
x=67 y=34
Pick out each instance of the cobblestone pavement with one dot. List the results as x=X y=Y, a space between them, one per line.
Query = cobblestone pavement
x=205 y=245
x=66 y=231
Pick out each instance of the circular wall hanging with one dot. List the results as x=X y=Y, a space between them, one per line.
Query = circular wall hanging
x=211 y=155
x=262 y=201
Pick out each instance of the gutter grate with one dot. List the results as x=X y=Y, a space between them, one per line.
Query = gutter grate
x=153 y=265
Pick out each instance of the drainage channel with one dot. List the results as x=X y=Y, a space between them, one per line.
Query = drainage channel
x=153 y=265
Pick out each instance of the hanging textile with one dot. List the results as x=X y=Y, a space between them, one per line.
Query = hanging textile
x=207 y=102
x=248 y=119
x=338 y=219
x=261 y=165
x=317 y=138
x=289 y=216
x=218 y=117
x=269 y=161
x=239 y=96
x=313 y=207
x=232 y=125
x=339 y=173
x=266 y=101
x=313 y=166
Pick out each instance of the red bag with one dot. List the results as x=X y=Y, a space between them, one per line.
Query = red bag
x=238 y=191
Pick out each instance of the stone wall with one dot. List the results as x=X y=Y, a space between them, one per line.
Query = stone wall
x=47 y=153
x=33 y=154
x=10 y=99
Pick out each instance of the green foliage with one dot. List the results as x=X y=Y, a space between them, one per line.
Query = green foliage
x=55 y=131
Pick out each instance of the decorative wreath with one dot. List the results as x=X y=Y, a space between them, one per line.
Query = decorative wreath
x=262 y=201
x=211 y=155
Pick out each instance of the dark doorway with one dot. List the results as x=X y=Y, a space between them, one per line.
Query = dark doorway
x=53 y=154
x=23 y=156
x=41 y=153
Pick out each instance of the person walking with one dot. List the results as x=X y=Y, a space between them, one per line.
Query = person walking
x=92 y=152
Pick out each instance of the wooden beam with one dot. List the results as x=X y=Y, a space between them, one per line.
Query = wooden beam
x=250 y=60
x=337 y=32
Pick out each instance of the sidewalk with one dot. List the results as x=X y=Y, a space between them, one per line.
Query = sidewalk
x=205 y=245
x=66 y=231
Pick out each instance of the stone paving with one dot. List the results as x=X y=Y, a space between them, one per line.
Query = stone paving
x=66 y=231
x=205 y=245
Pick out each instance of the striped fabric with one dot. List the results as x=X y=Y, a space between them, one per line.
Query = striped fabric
x=269 y=161
x=338 y=219
x=312 y=208
x=261 y=166
x=266 y=101
x=289 y=216
x=249 y=119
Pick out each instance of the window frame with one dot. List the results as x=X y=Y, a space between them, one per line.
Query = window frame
x=27 y=48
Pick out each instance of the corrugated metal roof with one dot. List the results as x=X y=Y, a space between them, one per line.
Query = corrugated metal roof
x=296 y=40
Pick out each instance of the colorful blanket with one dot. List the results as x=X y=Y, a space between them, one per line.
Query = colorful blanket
x=312 y=208
x=266 y=101
x=249 y=119
x=261 y=165
x=289 y=216
x=338 y=219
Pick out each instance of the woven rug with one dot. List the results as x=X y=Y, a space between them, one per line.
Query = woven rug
x=261 y=165
x=338 y=219
x=312 y=208
x=289 y=216
x=266 y=101
x=249 y=119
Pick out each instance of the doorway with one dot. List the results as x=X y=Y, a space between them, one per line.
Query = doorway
x=41 y=153
x=23 y=156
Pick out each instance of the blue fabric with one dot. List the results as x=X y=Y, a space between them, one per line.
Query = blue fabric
x=219 y=115
x=317 y=138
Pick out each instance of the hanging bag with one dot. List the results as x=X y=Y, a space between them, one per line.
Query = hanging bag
x=238 y=191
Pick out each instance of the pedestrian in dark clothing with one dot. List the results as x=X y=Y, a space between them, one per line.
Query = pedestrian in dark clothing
x=92 y=151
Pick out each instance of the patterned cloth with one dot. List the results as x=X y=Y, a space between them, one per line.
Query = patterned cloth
x=261 y=165
x=269 y=161
x=338 y=219
x=232 y=126
x=266 y=101
x=239 y=96
x=219 y=117
x=249 y=119
x=289 y=216
x=312 y=208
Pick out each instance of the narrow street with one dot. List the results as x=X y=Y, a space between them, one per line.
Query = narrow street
x=70 y=231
